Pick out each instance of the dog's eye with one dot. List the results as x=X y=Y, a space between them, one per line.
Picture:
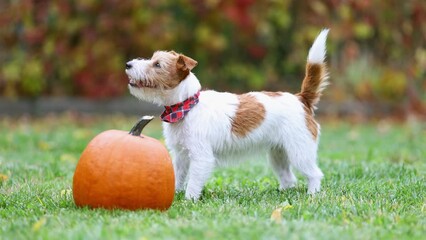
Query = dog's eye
x=157 y=65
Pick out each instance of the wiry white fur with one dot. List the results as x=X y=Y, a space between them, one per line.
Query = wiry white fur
x=318 y=50
x=167 y=97
x=204 y=138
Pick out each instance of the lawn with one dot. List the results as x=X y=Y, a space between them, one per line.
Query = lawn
x=374 y=188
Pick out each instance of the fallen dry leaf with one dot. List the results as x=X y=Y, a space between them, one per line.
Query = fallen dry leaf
x=40 y=223
x=3 y=177
x=276 y=215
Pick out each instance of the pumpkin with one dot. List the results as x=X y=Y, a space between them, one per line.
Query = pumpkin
x=124 y=170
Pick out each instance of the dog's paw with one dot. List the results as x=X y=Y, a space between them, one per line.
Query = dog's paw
x=314 y=185
x=287 y=186
x=179 y=189
x=312 y=192
x=192 y=196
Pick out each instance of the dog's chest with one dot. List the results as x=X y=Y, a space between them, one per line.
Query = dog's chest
x=175 y=134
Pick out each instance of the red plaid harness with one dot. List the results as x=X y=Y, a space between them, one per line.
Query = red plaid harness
x=176 y=112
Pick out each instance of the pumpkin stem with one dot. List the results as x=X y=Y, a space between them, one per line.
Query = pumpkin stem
x=137 y=129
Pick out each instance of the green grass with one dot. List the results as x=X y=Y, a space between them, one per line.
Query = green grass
x=374 y=188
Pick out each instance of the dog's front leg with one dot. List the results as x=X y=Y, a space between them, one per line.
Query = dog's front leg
x=202 y=164
x=180 y=165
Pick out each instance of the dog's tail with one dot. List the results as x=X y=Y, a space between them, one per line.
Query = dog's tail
x=316 y=78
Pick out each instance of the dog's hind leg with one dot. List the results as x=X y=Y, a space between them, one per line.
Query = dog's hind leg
x=303 y=156
x=281 y=166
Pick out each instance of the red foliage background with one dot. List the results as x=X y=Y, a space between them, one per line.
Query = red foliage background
x=377 y=49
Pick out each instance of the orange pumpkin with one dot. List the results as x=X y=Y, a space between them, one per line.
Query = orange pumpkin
x=124 y=170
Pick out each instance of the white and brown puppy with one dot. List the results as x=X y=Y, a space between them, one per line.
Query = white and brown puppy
x=208 y=128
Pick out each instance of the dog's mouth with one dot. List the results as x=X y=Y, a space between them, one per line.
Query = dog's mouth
x=141 y=84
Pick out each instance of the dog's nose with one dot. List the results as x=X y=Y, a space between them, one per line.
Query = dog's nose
x=128 y=65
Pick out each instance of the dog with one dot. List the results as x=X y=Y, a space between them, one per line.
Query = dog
x=204 y=129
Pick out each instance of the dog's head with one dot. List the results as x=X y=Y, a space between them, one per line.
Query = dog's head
x=163 y=72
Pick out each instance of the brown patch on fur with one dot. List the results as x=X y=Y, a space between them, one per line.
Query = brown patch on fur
x=311 y=124
x=250 y=114
x=273 y=94
x=173 y=69
x=184 y=65
x=312 y=84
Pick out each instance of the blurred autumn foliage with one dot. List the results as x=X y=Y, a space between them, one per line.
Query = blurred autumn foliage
x=377 y=49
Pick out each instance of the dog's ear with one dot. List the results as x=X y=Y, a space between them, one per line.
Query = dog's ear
x=185 y=63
